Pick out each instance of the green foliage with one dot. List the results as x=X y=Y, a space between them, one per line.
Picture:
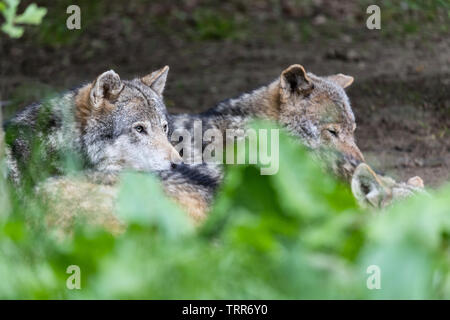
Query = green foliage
x=32 y=15
x=54 y=31
x=297 y=234
x=212 y=25
x=412 y=16
x=24 y=93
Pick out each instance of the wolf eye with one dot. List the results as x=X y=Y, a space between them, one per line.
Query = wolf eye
x=139 y=129
x=165 y=127
x=333 y=132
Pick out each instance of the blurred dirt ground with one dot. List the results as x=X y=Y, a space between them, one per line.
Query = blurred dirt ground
x=401 y=93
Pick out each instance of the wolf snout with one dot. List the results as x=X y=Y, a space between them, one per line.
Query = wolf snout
x=173 y=156
x=176 y=160
x=358 y=155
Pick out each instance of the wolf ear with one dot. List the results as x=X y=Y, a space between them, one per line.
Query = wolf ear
x=294 y=80
x=341 y=80
x=157 y=80
x=367 y=187
x=107 y=86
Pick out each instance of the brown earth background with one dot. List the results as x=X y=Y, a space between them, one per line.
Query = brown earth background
x=217 y=50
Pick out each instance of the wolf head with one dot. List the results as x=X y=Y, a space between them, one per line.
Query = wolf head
x=124 y=123
x=2 y=137
x=372 y=190
x=317 y=110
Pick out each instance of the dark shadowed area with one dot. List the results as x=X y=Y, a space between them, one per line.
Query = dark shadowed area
x=217 y=50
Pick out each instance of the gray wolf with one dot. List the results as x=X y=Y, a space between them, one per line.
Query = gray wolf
x=108 y=125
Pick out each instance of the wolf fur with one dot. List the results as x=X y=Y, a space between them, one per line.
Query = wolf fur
x=109 y=125
x=377 y=191
x=314 y=109
x=93 y=196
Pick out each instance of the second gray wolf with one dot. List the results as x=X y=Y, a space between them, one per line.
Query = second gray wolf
x=315 y=109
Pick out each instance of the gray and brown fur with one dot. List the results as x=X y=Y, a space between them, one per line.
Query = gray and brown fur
x=377 y=191
x=314 y=109
x=92 y=197
x=110 y=124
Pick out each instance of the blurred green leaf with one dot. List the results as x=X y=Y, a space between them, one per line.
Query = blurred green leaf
x=32 y=15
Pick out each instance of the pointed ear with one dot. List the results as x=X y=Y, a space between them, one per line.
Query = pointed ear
x=107 y=86
x=416 y=182
x=157 y=80
x=294 y=80
x=341 y=79
x=367 y=187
